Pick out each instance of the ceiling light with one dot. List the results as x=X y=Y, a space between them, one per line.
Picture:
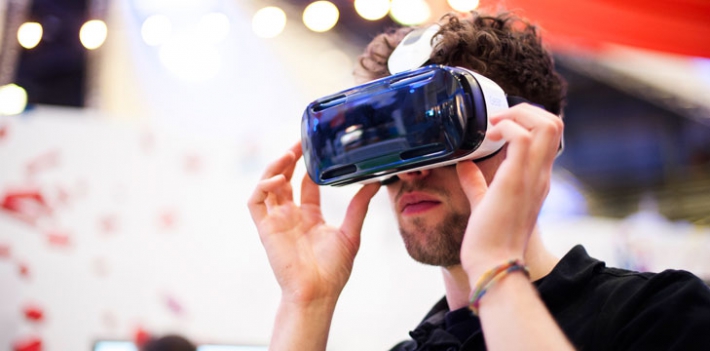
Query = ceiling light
x=372 y=10
x=13 y=99
x=156 y=30
x=320 y=16
x=93 y=34
x=29 y=34
x=268 y=22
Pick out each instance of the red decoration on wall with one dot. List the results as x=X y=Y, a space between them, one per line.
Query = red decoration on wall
x=32 y=343
x=57 y=238
x=62 y=195
x=34 y=313
x=192 y=163
x=167 y=219
x=43 y=162
x=4 y=251
x=108 y=224
x=3 y=131
x=26 y=205
x=24 y=270
x=173 y=305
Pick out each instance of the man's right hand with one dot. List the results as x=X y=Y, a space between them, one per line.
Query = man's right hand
x=312 y=261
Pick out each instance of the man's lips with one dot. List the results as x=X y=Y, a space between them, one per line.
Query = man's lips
x=413 y=203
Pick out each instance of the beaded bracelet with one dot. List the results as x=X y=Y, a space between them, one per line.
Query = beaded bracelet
x=488 y=279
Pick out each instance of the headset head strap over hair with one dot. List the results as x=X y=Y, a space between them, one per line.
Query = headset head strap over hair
x=414 y=50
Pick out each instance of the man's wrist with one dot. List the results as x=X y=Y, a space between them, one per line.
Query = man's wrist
x=302 y=325
x=312 y=302
x=310 y=294
x=492 y=277
x=482 y=263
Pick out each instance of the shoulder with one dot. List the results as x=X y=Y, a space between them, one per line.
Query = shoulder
x=643 y=286
x=670 y=309
x=621 y=309
x=581 y=274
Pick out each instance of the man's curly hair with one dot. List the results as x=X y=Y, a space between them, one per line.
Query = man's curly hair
x=504 y=48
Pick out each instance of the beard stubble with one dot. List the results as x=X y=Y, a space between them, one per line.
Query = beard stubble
x=438 y=244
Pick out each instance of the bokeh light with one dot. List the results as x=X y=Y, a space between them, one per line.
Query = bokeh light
x=214 y=27
x=93 y=34
x=13 y=99
x=320 y=16
x=156 y=30
x=410 y=12
x=190 y=59
x=29 y=34
x=268 y=22
x=372 y=10
x=463 y=5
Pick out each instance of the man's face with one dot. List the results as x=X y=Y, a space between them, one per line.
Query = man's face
x=432 y=211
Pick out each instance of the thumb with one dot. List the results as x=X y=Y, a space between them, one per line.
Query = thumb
x=355 y=214
x=472 y=181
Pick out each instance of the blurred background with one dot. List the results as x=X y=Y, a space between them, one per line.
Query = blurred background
x=132 y=133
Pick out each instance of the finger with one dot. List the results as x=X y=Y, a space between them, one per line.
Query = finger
x=355 y=214
x=284 y=164
x=297 y=151
x=279 y=191
x=257 y=203
x=518 y=138
x=279 y=166
x=534 y=119
x=472 y=181
x=310 y=192
x=525 y=114
x=545 y=127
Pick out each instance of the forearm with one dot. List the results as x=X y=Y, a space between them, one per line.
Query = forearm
x=513 y=317
x=301 y=326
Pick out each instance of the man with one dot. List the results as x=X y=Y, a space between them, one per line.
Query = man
x=473 y=219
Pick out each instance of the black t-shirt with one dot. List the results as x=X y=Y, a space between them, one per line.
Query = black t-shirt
x=597 y=307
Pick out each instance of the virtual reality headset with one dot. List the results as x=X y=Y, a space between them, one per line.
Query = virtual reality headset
x=424 y=118
x=415 y=119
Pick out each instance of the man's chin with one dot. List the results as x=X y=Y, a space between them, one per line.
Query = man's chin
x=434 y=254
x=436 y=244
x=445 y=261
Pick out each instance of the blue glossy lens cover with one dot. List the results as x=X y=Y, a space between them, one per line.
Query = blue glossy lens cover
x=388 y=125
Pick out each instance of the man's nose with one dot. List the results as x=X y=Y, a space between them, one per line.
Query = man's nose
x=414 y=175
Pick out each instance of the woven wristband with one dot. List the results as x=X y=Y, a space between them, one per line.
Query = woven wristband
x=492 y=276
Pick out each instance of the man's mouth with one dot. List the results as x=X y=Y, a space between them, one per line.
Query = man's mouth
x=419 y=207
x=415 y=203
